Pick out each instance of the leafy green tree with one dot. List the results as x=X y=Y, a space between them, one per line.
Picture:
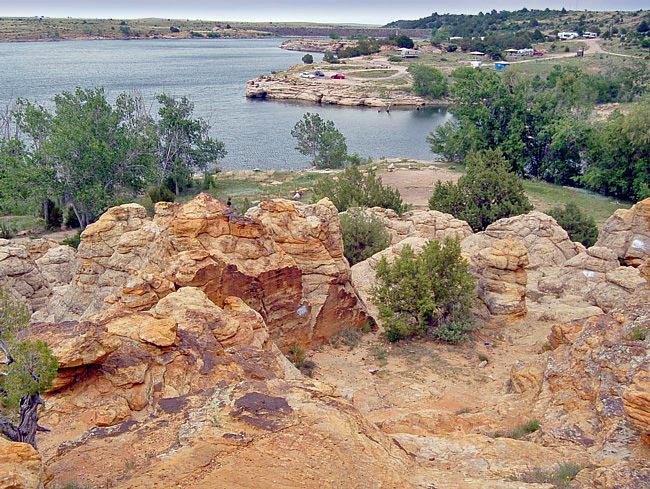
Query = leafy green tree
x=619 y=158
x=29 y=368
x=426 y=294
x=87 y=152
x=580 y=226
x=404 y=41
x=308 y=59
x=364 y=234
x=353 y=188
x=320 y=140
x=335 y=36
x=428 y=82
x=184 y=145
x=489 y=191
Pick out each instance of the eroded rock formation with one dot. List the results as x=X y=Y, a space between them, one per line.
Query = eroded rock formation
x=627 y=233
x=20 y=466
x=285 y=260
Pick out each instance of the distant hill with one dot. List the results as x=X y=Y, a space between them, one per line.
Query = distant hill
x=545 y=20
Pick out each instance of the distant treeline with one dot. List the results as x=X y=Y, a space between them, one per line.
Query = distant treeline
x=341 y=31
x=460 y=25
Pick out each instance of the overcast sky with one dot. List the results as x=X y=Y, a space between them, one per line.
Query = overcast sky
x=358 y=11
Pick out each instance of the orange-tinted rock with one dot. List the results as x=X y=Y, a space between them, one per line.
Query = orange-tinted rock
x=627 y=233
x=21 y=466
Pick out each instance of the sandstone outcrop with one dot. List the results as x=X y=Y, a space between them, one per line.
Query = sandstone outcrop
x=502 y=277
x=627 y=233
x=548 y=244
x=285 y=260
x=421 y=223
x=329 y=92
x=30 y=268
x=596 y=392
x=595 y=276
x=20 y=466
x=194 y=394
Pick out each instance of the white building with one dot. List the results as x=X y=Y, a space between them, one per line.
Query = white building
x=567 y=36
x=525 y=52
x=408 y=53
x=590 y=35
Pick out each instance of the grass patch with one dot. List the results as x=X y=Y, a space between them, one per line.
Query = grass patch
x=373 y=73
x=520 y=430
x=21 y=223
x=560 y=476
x=638 y=333
x=349 y=338
x=298 y=356
x=380 y=355
x=544 y=196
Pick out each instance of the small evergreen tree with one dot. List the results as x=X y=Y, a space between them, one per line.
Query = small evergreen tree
x=426 y=294
x=580 y=226
x=353 y=188
x=364 y=234
x=321 y=140
x=28 y=370
x=308 y=59
x=489 y=191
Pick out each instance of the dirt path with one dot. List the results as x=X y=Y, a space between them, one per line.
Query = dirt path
x=416 y=184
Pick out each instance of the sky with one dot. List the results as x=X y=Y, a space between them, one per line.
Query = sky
x=350 y=11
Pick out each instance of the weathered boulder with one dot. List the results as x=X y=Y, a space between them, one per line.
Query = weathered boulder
x=21 y=466
x=20 y=273
x=548 y=244
x=502 y=278
x=595 y=277
x=57 y=265
x=421 y=223
x=627 y=233
x=285 y=260
x=636 y=400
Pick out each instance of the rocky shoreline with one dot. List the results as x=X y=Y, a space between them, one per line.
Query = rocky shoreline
x=321 y=92
x=316 y=45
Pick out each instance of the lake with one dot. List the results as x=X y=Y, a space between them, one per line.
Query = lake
x=213 y=74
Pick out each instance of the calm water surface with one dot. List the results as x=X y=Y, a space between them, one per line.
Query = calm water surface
x=213 y=74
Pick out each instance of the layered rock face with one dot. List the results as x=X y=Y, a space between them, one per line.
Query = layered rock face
x=30 y=268
x=502 y=278
x=285 y=260
x=328 y=92
x=422 y=224
x=627 y=233
x=197 y=395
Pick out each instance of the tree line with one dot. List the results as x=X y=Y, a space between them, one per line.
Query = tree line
x=543 y=127
x=89 y=154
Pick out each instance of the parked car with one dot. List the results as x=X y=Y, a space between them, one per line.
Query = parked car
x=338 y=76
x=538 y=53
x=319 y=73
x=306 y=74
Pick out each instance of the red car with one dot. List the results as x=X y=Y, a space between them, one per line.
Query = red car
x=538 y=53
x=338 y=76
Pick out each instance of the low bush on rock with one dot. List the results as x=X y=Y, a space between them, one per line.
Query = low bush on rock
x=364 y=234
x=353 y=188
x=560 y=476
x=298 y=356
x=426 y=294
x=580 y=226
x=489 y=191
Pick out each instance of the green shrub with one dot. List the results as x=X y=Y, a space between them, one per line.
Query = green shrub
x=580 y=226
x=353 y=188
x=73 y=240
x=524 y=429
x=428 y=82
x=308 y=59
x=486 y=193
x=161 y=194
x=364 y=234
x=54 y=217
x=395 y=59
x=207 y=183
x=427 y=294
x=297 y=355
x=7 y=231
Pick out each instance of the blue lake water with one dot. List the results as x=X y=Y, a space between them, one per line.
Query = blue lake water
x=213 y=74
